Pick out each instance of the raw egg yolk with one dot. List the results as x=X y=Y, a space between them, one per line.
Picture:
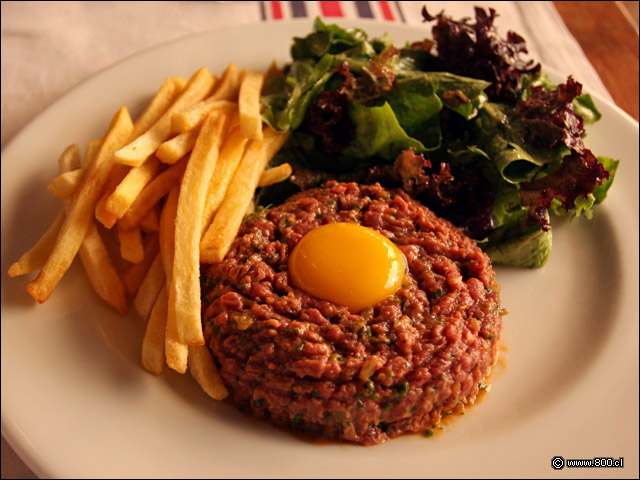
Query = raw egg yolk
x=347 y=264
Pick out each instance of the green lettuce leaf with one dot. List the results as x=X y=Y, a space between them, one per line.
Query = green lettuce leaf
x=378 y=133
x=463 y=95
x=530 y=250
x=586 y=108
x=287 y=97
x=416 y=106
x=600 y=191
x=501 y=135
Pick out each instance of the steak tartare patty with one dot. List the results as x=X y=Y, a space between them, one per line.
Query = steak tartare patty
x=314 y=366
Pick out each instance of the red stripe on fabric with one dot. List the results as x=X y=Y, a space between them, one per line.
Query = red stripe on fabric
x=276 y=10
x=331 y=9
x=386 y=11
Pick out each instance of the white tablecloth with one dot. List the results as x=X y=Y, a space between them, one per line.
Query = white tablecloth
x=49 y=47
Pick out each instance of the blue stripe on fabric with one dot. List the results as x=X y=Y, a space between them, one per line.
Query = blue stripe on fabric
x=364 y=10
x=298 y=9
x=263 y=11
x=400 y=13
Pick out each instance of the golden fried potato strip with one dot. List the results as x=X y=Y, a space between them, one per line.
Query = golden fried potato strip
x=275 y=175
x=228 y=161
x=203 y=369
x=159 y=104
x=153 y=193
x=149 y=288
x=100 y=270
x=218 y=237
x=176 y=352
x=249 y=105
x=184 y=291
x=131 y=246
x=134 y=273
x=127 y=191
x=136 y=152
x=153 y=343
x=80 y=213
x=36 y=256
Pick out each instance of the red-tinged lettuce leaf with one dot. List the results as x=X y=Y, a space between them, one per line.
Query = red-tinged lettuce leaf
x=550 y=116
x=329 y=119
x=578 y=175
x=476 y=50
x=461 y=194
x=550 y=119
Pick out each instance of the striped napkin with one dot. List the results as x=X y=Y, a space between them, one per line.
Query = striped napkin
x=387 y=11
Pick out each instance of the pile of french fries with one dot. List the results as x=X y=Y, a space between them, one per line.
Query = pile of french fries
x=175 y=185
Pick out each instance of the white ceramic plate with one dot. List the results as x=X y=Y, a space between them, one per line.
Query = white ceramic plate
x=76 y=403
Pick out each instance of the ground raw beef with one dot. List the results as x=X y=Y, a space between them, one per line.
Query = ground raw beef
x=314 y=366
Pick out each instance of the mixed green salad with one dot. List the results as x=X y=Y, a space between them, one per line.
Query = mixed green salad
x=461 y=121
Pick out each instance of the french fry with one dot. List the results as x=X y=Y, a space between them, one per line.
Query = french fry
x=66 y=183
x=36 y=256
x=250 y=209
x=80 y=214
x=204 y=371
x=70 y=175
x=227 y=89
x=176 y=352
x=159 y=104
x=93 y=253
x=102 y=214
x=275 y=175
x=192 y=117
x=167 y=230
x=152 y=193
x=219 y=235
x=177 y=147
x=228 y=161
x=149 y=288
x=133 y=275
x=249 y=105
x=149 y=223
x=93 y=147
x=70 y=158
x=184 y=290
x=136 y=152
x=126 y=192
x=101 y=272
x=131 y=247
x=154 y=335
x=223 y=96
